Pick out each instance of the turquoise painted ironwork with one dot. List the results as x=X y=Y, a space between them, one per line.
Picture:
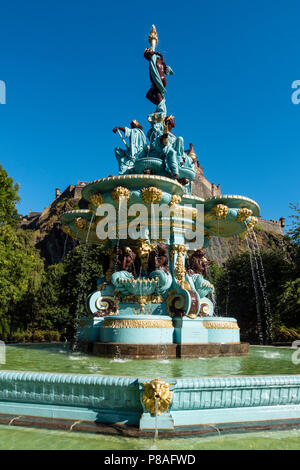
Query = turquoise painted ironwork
x=114 y=399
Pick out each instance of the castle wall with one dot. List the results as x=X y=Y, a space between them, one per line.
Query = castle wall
x=275 y=226
x=202 y=187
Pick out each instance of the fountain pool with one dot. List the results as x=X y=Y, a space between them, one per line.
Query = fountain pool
x=48 y=385
x=58 y=358
x=20 y=438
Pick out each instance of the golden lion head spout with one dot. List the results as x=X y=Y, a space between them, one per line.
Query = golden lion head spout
x=157 y=396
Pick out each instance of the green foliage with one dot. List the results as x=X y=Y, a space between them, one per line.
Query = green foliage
x=37 y=336
x=259 y=227
x=20 y=272
x=215 y=272
x=289 y=303
x=8 y=198
x=282 y=334
x=82 y=267
x=294 y=232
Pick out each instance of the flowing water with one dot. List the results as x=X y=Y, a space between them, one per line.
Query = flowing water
x=259 y=323
x=65 y=246
x=78 y=311
x=262 y=281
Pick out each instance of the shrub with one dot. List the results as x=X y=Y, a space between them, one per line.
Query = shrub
x=20 y=336
x=38 y=336
x=52 y=335
x=282 y=334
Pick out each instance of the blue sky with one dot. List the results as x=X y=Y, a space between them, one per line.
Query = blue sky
x=75 y=69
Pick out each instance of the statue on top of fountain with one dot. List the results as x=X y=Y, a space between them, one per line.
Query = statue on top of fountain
x=165 y=156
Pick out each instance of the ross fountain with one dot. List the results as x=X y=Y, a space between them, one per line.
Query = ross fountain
x=153 y=303
x=155 y=295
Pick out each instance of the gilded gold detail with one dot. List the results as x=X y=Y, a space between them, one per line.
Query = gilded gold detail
x=219 y=211
x=67 y=230
x=143 y=299
x=252 y=222
x=80 y=223
x=151 y=195
x=120 y=193
x=143 y=250
x=131 y=323
x=175 y=200
x=179 y=269
x=243 y=214
x=96 y=199
x=226 y=325
x=157 y=396
x=153 y=35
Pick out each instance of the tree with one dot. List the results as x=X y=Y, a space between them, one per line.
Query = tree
x=8 y=198
x=20 y=272
x=236 y=295
x=20 y=263
x=294 y=232
x=289 y=304
x=82 y=267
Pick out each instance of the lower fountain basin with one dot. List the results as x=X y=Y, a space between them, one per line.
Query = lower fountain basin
x=231 y=394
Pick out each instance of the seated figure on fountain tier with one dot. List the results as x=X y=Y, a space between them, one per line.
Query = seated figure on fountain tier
x=137 y=146
x=197 y=272
x=158 y=267
x=173 y=150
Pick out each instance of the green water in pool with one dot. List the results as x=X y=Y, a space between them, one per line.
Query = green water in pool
x=58 y=358
x=18 y=438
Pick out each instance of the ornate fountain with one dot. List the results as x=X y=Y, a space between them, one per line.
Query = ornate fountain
x=154 y=301
x=155 y=295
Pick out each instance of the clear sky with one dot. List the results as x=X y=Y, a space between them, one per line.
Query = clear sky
x=75 y=69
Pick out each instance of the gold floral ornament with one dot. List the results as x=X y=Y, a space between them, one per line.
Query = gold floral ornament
x=67 y=230
x=96 y=199
x=120 y=193
x=179 y=269
x=80 y=223
x=157 y=396
x=175 y=200
x=151 y=195
x=219 y=211
x=243 y=214
x=252 y=222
